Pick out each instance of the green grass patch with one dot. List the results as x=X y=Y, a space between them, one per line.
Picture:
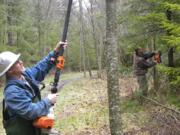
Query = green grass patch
x=174 y=99
x=125 y=70
x=77 y=108
x=131 y=106
x=93 y=117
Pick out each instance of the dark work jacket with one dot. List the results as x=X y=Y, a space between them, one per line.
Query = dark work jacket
x=141 y=63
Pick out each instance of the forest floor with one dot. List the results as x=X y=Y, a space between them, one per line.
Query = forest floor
x=82 y=109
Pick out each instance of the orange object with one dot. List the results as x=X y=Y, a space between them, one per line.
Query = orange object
x=60 y=62
x=157 y=57
x=44 y=122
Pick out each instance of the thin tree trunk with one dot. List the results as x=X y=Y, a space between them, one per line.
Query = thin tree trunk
x=9 y=21
x=82 y=44
x=17 y=38
x=112 y=69
x=46 y=26
x=10 y=33
x=80 y=59
x=100 y=56
x=95 y=40
x=171 y=49
x=171 y=57
x=86 y=54
x=87 y=61
x=39 y=26
x=5 y=25
x=155 y=73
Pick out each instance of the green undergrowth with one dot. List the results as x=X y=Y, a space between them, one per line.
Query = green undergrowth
x=168 y=99
x=82 y=105
x=131 y=106
x=94 y=118
x=134 y=115
x=78 y=108
x=174 y=99
x=125 y=70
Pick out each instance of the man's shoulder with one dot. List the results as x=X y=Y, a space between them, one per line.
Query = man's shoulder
x=13 y=85
x=139 y=58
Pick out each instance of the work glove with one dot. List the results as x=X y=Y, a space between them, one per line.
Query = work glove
x=57 y=49
x=52 y=98
x=59 y=45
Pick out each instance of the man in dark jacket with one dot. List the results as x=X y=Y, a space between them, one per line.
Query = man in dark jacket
x=22 y=100
x=141 y=65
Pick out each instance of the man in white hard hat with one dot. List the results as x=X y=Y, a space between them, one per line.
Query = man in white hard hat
x=22 y=102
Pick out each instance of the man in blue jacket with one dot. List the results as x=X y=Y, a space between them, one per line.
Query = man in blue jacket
x=22 y=102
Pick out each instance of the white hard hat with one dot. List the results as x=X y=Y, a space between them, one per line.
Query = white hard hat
x=7 y=59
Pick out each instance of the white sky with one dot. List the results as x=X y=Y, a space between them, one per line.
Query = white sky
x=84 y=3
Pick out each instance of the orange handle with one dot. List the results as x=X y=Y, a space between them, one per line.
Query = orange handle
x=60 y=62
x=44 y=122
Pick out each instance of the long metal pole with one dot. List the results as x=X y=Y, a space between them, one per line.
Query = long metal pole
x=61 y=52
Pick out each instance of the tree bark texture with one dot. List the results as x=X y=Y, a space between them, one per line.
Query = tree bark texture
x=155 y=72
x=112 y=69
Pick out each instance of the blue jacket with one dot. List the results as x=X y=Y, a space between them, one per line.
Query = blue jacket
x=18 y=99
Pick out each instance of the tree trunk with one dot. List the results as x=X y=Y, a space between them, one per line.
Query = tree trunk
x=171 y=49
x=82 y=44
x=155 y=73
x=97 y=48
x=112 y=69
x=9 y=22
x=87 y=60
x=171 y=57
x=9 y=33
x=46 y=26
x=17 y=38
x=39 y=19
x=4 y=30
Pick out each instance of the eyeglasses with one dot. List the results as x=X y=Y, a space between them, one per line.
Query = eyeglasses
x=18 y=61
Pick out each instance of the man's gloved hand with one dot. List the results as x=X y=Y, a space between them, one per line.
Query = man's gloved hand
x=52 y=98
x=59 y=45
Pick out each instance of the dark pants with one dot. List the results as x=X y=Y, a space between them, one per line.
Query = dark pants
x=143 y=87
x=19 y=126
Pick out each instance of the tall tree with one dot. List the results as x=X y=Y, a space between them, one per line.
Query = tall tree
x=10 y=15
x=95 y=38
x=112 y=69
x=171 y=49
x=2 y=22
x=82 y=43
x=39 y=25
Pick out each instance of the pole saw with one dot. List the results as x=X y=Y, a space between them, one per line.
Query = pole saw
x=46 y=122
x=59 y=55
